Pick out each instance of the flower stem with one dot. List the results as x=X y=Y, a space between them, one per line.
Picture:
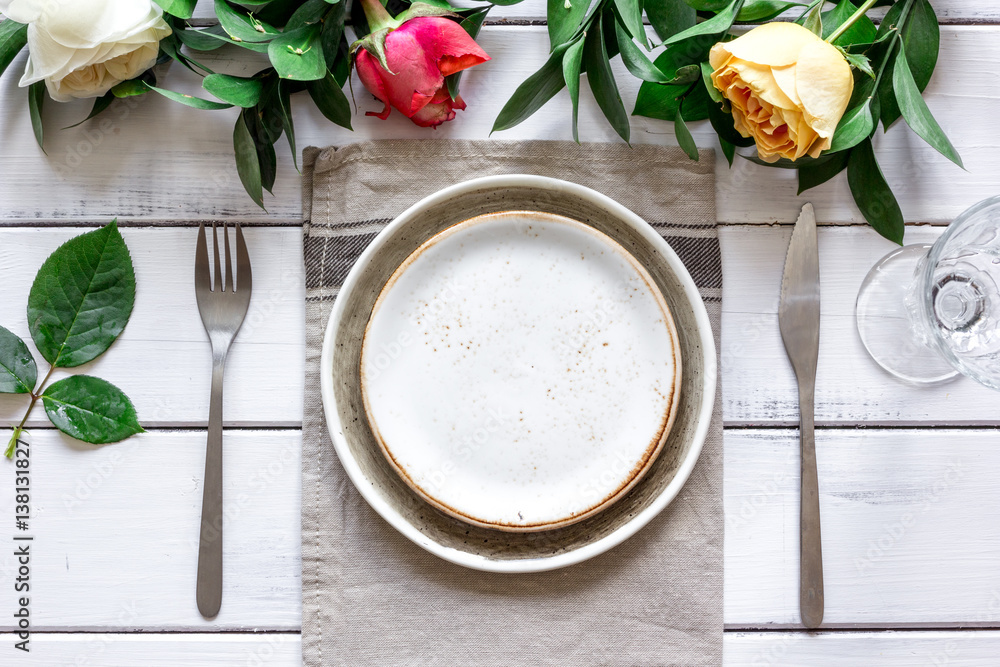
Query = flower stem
x=850 y=21
x=20 y=427
x=376 y=15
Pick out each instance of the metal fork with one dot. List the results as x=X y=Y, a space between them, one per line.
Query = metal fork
x=223 y=306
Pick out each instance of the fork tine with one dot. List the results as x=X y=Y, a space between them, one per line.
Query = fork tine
x=202 y=278
x=230 y=283
x=217 y=265
x=243 y=262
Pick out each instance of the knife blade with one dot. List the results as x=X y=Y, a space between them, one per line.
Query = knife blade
x=798 y=319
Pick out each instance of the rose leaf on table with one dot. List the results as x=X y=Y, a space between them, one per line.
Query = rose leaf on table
x=78 y=305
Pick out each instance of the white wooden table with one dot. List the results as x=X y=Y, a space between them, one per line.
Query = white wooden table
x=908 y=477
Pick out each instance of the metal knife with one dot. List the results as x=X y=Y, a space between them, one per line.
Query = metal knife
x=798 y=319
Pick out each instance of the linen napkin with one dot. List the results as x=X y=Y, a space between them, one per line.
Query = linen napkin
x=370 y=596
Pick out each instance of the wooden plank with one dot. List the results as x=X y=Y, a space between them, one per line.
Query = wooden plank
x=909 y=530
x=871 y=649
x=742 y=649
x=909 y=535
x=165 y=340
x=758 y=383
x=151 y=159
x=151 y=650
x=116 y=532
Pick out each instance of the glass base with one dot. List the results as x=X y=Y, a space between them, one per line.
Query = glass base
x=884 y=322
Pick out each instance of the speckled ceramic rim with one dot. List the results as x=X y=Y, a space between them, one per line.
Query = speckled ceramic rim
x=578 y=547
x=642 y=464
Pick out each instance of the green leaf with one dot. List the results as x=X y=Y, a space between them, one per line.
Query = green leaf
x=329 y=98
x=130 y=88
x=564 y=20
x=285 y=109
x=298 y=55
x=707 y=5
x=818 y=173
x=309 y=13
x=636 y=61
x=916 y=113
x=534 y=92
x=259 y=47
x=602 y=80
x=662 y=101
x=241 y=26
x=472 y=24
x=860 y=62
x=264 y=145
x=669 y=17
x=236 y=90
x=331 y=34
x=872 y=194
x=182 y=9
x=571 y=64
x=716 y=25
x=189 y=100
x=82 y=297
x=18 y=373
x=630 y=14
x=36 y=97
x=861 y=31
x=728 y=150
x=921 y=39
x=755 y=11
x=206 y=39
x=247 y=165
x=90 y=409
x=855 y=126
x=814 y=20
x=171 y=46
x=683 y=134
x=13 y=37
x=706 y=76
x=100 y=104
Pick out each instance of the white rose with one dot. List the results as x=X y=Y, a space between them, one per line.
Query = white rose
x=81 y=48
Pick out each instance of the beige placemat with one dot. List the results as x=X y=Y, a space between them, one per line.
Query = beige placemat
x=371 y=597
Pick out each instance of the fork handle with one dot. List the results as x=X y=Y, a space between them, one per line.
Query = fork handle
x=811 y=544
x=210 y=547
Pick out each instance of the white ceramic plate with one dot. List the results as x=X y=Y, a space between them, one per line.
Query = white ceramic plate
x=520 y=370
x=379 y=482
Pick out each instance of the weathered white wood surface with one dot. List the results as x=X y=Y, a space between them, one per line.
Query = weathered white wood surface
x=107 y=167
x=909 y=530
x=758 y=383
x=116 y=533
x=166 y=339
x=743 y=649
x=909 y=526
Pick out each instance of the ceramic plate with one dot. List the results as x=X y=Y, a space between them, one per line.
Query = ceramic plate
x=520 y=370
x=481 y=545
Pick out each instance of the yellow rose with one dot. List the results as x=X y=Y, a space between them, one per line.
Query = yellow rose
x=788 y=88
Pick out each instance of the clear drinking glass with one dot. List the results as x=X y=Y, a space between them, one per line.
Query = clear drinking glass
x=929 y=312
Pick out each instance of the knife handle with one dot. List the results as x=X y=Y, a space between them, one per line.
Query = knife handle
x=811 y=544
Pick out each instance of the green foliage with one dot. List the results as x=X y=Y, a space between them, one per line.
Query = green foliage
x=90 y=409
x=79 y=303
x=18 y=373
x=13 y=37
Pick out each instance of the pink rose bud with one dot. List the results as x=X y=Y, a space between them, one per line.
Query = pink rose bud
x=421 y=53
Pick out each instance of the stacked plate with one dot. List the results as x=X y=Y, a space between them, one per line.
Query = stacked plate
x=518 y=373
